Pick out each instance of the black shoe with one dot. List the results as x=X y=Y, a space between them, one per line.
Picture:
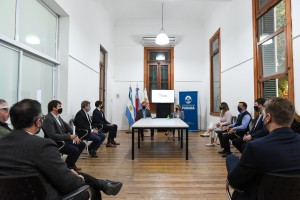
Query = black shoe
x=110 y=187
x=93 y=154
x=222 y=151
x=226 y=154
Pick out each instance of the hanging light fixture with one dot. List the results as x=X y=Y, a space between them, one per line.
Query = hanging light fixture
x=162 y=38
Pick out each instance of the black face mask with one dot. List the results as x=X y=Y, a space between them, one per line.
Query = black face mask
x=143 y=107
x=239 y=109
x=256 y=108
x=220 y=108
x=60 y=111
x=102 y=106
x=176 y=109
x=265 y=126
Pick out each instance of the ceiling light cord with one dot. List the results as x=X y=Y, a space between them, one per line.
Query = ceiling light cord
x=162 y=16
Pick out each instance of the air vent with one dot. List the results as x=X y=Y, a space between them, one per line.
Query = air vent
x=150 y=42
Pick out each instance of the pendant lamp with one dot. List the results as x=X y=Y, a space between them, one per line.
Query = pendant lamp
x=162 y=38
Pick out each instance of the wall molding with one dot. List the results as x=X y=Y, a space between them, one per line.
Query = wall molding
x=237 y=65
x=83 y=64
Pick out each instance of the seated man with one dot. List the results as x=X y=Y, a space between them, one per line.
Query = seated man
x=277 y=152
x=238 y=129
x=83 y=125
x=58 y=130
x=4 y=115
x=256 y=130
x=144 y=113
x=99 y=119
x=24 y=153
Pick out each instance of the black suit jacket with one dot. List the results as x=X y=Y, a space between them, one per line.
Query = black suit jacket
x=81 y=122
x=99 y=118
x=140 y=115
x=258 y=131
x=276 y=152
x=22 y=153
x=54 y=130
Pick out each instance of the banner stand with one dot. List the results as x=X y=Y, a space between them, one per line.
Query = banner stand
x=189 y=105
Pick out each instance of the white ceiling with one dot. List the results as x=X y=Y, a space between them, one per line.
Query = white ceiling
x=192 y=10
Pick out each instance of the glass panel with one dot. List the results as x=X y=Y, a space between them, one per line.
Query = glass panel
x=216 y=83
x=164 y=73
x=9 y=75
x=261 y=3
x=153 y=73
x=273 y=55
x=276 y=88
x=164 y=86
x=215 y=45
x=37 y=27
x=273 y=20
x=159 y=55
x=102 y=58
x=37 y=81
x=8 y=18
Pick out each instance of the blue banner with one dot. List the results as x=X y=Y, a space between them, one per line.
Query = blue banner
x=189 y=105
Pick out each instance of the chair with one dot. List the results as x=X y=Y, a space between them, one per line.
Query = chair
x=29 y=187
x=275 y=186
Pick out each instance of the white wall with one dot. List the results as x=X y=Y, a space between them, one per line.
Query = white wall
x=89 y=26
x=296 y=50
x=129 y=59
x=234 y=19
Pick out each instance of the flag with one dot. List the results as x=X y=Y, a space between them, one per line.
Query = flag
x=137 y=100
x=145 y=98
x=130 y=110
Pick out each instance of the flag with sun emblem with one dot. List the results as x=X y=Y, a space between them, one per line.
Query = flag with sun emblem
x=130 y=110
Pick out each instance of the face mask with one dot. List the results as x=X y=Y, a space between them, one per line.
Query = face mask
x=265 y=126
x=239 y=109
x=89 y=109
x=143 y=107
x=256 y=108
x=176 y=109
x=102 y=107
x=220 y=108
x=60 y=111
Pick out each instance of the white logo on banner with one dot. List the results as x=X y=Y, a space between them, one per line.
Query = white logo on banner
x=188 y=99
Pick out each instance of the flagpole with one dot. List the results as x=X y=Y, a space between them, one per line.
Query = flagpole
x=129 y=131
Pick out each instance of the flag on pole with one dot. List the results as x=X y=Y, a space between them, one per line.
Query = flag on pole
x=145 y=98
x=137 y=99
x=130 y=110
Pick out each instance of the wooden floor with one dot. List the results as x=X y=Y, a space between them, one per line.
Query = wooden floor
x=160 y=170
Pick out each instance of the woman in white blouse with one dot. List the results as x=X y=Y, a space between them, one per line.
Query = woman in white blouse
x=225 y=119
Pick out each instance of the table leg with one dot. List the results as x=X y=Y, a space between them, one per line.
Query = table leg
x=187 y=144
x=132 y=134
x=181 y=140
x=139 y=138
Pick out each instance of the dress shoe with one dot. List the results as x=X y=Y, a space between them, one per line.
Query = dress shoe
x=93 y=154
x=222 y=151
x=115 y=143
x=226 y=154
x=152 y=138
x=110 y=187
x=75 y=168
x=110 y=145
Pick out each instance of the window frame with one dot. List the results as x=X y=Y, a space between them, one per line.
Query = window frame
x=217 y=35
x=102 y=69
x=287 y=30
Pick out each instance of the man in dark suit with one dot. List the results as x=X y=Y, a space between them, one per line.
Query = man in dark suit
x=4 y=115
x=235 y=130
x=99 y=119
x=144 y=113
x=276 y=152
x=24 y=153
x=57 y=129
x=83 y=124
x=256 y=130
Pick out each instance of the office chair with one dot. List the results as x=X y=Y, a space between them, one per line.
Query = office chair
x=30 y=187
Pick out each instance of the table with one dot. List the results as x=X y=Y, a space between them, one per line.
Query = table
x=161 y=123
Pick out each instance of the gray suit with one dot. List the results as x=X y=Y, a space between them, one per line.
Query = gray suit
x=22 y=153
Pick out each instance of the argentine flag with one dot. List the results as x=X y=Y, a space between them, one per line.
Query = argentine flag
x=130 y=110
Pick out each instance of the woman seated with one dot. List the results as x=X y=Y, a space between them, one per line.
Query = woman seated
x=225 y=119
x=177 y=114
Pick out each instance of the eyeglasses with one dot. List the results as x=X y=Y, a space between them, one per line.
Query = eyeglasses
x=4 y=108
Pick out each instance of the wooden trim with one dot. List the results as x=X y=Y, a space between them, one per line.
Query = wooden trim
x=255 y=49
x=217 y=35
x=273 y=35
x=266 y=7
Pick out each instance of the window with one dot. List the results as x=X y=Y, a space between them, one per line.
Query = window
x=28 y=71
x=215 y=74
x=273 y=66
x=102 y=75
x=158 y=70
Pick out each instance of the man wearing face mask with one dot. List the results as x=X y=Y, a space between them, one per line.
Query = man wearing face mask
x=4 y=115
x=83 y=124
x=276 y=152
x=58 y=130
x=235 y=130
x=99 y=119
x=144 y=113
x=256 y=131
